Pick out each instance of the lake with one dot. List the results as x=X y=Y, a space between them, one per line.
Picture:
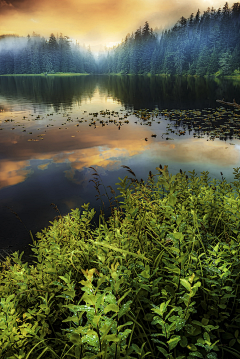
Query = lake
x=52 y=129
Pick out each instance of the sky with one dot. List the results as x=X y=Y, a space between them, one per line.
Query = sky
x=97 y=23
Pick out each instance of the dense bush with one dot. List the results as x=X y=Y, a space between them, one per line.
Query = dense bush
x=158 y=279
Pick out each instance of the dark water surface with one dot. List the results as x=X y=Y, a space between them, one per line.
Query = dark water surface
x=52 y=131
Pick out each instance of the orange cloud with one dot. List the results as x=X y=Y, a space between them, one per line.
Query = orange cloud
x=94 y=22
x=111 y=157
x=44 y=166
x=198 y=151
x=12 y=173
x=108 y=150
x=81 y=151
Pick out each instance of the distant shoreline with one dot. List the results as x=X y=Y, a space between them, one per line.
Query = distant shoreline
x=233 y=77
x=54 y=74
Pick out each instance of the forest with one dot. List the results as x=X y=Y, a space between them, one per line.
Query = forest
x=203 y=44
x=36 y=55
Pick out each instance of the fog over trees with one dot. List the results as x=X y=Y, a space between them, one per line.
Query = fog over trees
x=35 y=55
x=203 y=44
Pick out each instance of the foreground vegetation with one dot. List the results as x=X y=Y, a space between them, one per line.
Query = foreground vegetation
x=158 y=279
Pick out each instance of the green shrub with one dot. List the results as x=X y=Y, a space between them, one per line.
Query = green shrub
x=158 y=279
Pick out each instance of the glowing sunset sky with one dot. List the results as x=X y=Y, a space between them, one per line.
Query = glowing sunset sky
x=94 y=22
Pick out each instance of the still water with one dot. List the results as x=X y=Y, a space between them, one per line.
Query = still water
x=52 y=129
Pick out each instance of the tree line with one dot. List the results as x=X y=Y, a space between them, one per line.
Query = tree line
x=206 y=44
x=203 y=44
x=36 y=55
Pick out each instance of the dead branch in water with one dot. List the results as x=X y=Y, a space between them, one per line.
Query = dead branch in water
x=229 y=103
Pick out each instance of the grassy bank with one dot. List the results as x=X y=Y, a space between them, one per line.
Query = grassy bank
x=160 y=278
x=50 y=74
x=233 y=77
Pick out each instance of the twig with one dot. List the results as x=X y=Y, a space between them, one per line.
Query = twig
x=229 y=103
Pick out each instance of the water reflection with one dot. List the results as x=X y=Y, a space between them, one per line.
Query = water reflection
x=62 y=92
x=53 y=129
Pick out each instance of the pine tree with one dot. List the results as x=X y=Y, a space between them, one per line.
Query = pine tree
x=235 y=59
x=213 y=66
x=202 y=64
x=17 y=58
x=225 y=63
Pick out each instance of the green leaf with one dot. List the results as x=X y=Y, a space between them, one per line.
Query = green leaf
x=136 y=348
x=111 y=307
x=66 y=280
x=157 y=320
x=110 y=298
x=124 y=334
x=205 y=321
x=232 y=342
x=227 y=335
x=197 y=285
x=105 y=329
x=100 y=281
x=195 y=354
x=117 y=285
x=113 y=248
x=180 y=323
x=9 y=298
x=99 y=301
x=148 y=317
x=172 y=200
x=75 y=339
x=124 y=295
x=163 y=307
x=170 y=290
x=186 y=284
x=206 y=337
x=71 y=319
x=212 y=355
x=125 y=307
x=89 y=298
x=183 y=342
x=196 y=322
x=163 y=351
x=146 y=272
x=95 y=320
x=192 y=347
x=112 y=338
x=227 y=288
x=179 y=220
x=172 y=343
x=66 y=294
x=123 y=325
x=170 y=319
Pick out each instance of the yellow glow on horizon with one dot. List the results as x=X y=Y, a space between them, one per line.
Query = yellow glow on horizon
x=113 y=43
x=95 y=22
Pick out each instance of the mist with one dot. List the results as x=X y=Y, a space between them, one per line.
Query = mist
x=12 y=43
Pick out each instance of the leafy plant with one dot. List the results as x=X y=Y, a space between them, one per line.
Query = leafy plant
x=158 y=278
